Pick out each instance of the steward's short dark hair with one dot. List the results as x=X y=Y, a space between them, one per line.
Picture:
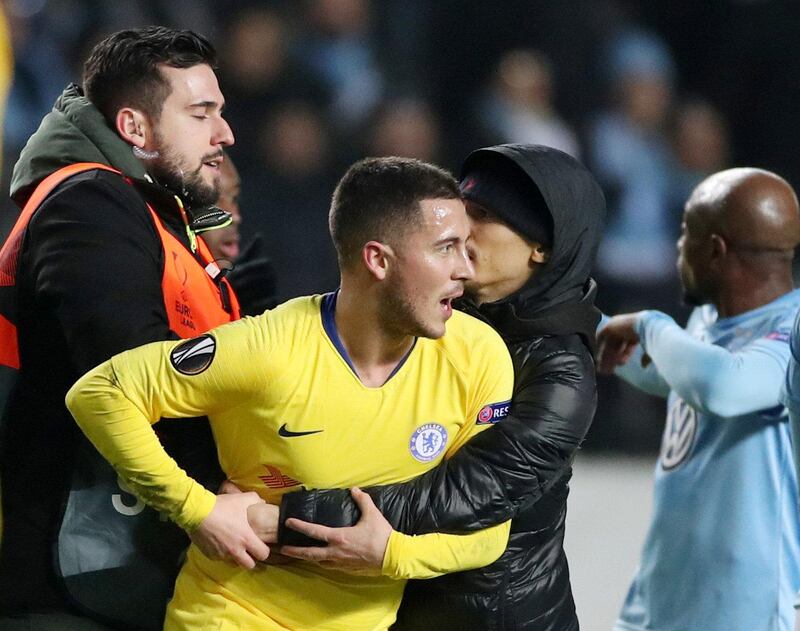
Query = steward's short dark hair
x=122 y=70
x=379 y=198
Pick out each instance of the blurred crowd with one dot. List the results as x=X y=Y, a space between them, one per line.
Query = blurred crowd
x=651 y=96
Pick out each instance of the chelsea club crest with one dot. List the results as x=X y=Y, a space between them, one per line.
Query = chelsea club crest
x=428 y=441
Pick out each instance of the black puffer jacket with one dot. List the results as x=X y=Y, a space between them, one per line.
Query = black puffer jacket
x=519 y=469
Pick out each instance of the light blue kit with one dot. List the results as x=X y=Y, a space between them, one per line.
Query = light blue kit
x=723 y=549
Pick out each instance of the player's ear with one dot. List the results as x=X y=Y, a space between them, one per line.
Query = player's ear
x=375 y=256
x=719 y=247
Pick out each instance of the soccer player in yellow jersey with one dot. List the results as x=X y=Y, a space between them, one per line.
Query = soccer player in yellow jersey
x=357 y=387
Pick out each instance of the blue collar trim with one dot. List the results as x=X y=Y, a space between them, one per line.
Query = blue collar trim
x=328 y=311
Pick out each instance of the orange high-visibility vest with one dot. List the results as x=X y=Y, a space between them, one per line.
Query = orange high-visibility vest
x=194 y=302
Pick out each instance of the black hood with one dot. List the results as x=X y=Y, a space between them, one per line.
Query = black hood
x=559 y=299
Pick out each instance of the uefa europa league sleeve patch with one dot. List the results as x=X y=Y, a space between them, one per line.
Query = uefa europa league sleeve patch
x=193 y=356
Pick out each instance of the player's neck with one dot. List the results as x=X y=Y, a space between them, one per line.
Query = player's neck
x=746 y=295
x=373 y=351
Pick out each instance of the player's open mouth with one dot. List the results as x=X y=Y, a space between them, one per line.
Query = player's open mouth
x=446 y=304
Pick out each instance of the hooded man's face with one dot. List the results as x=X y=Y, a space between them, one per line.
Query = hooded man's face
x=504 y=260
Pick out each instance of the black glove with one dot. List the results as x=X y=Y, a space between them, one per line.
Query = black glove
x=253 y=279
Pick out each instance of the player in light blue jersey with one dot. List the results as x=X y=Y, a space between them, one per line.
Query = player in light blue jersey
x=723 y=549
x=791 y=399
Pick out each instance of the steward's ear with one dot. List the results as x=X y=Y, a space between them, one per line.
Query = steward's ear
x=539 y=253
x=375 y=256
x=133 y=127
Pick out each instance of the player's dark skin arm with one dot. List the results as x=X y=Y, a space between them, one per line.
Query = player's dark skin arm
x=493 y=476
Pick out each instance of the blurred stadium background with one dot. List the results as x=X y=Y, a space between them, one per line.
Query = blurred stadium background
x=651 y=95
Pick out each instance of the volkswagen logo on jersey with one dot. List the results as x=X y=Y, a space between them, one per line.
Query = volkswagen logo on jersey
x=679 y=434
x=193 y=356
x=428 y=441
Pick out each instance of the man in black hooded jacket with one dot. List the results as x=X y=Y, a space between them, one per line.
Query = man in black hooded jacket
x=537 y=217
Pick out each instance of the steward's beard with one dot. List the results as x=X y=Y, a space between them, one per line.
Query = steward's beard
x=170 y=170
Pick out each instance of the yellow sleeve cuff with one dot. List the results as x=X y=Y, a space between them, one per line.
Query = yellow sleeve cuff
x=394 y=552
x=199 y=504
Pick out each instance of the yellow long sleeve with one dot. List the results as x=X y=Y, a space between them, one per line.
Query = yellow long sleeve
x=125 y=437
x=116 y=404
x=431 y=555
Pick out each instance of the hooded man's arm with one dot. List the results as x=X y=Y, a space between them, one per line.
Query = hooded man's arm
x=493 y=476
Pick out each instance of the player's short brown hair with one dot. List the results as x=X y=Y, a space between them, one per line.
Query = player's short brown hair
x=377 y=199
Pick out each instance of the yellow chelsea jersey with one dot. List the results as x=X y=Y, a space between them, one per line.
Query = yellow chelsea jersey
x=287 y=409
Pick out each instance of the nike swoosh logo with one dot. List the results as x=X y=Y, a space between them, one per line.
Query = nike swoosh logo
x=289 y=434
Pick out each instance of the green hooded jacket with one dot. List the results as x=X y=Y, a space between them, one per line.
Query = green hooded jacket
x=74 y=131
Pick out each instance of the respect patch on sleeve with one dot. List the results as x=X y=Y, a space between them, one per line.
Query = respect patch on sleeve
x=493 y=413
x=779 y=335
